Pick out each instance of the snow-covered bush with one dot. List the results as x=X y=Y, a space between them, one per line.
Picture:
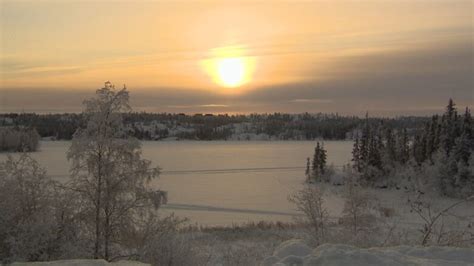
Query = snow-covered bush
x=310 y=201
x=435 y=219
x=358 y=214
x=160 y=241
x=34 y=222
x=18 y=139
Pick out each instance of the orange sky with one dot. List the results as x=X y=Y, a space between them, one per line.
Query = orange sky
x=152 y=45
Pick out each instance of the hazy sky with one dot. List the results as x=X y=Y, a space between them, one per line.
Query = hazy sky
x=383 y=56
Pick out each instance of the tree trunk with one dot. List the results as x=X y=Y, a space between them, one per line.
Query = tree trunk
x=107 y=228
x=97 y=210
x=107 y=235
x=97 y=221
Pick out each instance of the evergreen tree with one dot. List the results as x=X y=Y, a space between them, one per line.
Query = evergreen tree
x=319 y=161
x=462 y=150
x=390 y=146
x=467 y=129
x=356 y=156
x=449 y=128
x=432 y=141
x=308 y=169
x=374 y=153
x=418 y=149
x=467 y=123
x=364 y=142
x=316 y=157
x=322 y=159
x=403 y=147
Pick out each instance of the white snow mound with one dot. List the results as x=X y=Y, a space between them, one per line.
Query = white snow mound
x=295 y=252
x=293 y=247
x=80 y=263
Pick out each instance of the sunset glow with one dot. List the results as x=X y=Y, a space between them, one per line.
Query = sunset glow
x=250 y=56
x=231 y=71
x=229 y=67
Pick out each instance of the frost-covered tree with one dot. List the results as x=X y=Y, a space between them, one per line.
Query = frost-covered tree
x=403 y=147
x=18 y=139
x=442 y=149
x=108 y=171
x=432 y=139
x=310 y=201
x=449 y=127
x=33 y=224
x=356 y=214
x=319 y=163
x=390 y=153
x=356 y=161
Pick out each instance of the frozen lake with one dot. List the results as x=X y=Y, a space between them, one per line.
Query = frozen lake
x=221 y=182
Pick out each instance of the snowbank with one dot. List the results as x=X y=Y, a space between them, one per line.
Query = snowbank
x=295 y=252
x=80 y=263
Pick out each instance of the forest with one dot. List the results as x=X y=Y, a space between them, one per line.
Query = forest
x=438 y=157
x=159 y=126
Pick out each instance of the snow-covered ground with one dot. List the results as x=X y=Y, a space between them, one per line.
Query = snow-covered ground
x=296 y=252
x=80 y=263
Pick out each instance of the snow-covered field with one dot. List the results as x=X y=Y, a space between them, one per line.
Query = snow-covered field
x=296 y=252
x=83 y=262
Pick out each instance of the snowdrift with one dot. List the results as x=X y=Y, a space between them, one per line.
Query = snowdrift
x=80 y=263
x=295 y=252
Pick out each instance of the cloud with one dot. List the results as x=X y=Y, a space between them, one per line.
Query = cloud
x=311 y=101
x=198 y=106
x=402 y=81
x=212 y=105
x=398 y=80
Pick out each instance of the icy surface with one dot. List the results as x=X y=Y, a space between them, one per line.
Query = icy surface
x=295 y=252
x=220 y=182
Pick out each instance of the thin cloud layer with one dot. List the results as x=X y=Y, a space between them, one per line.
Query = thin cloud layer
x=386 y=57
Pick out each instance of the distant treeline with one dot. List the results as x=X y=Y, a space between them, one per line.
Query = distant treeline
x=157 y=126
x=18 y=139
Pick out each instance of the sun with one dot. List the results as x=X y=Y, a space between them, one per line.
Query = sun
x=229 y=67
x=231 y=71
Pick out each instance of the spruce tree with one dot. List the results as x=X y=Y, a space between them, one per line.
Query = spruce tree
x=322 y=159
x=374 y=152
x=356 y=156
x=464 y=144
x=390 y=146
x=403 y=147
x=316 y=161
x=364 y=143
x=308 y=169
x=417 y=149
x=467 y=128
x=448 y=129
x=431 y=138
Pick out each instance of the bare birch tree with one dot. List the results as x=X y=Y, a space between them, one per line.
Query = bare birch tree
x=310 y=201
x=108 y=171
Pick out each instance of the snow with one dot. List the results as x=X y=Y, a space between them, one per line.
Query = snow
x=295 y=252
x=292 y=247
x=80 y=262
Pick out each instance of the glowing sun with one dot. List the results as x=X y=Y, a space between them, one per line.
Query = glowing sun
x=228 y=68
x=231 y=71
